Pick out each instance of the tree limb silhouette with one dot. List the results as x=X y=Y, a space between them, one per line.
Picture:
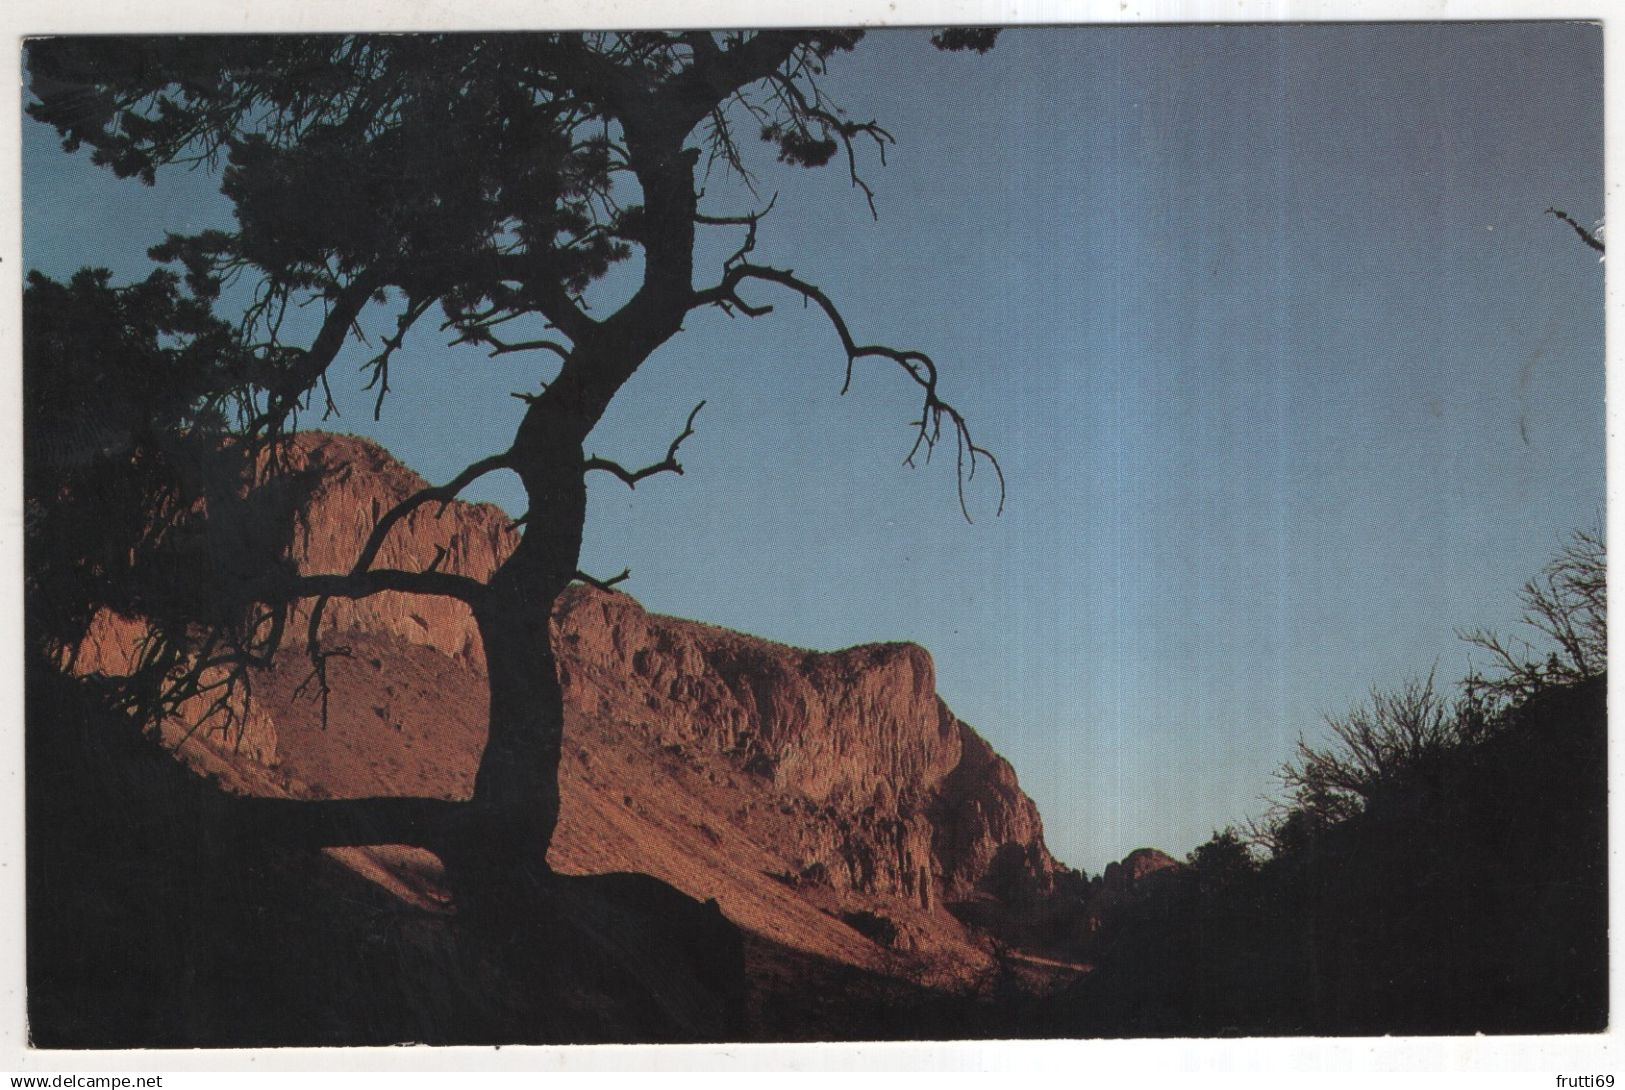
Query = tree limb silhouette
x=1587 y=237
x=668 y=465
x=917 y=365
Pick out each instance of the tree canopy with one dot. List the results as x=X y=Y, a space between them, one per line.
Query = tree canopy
x=480 y=184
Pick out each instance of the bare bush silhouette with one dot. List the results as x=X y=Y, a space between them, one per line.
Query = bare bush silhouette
x=1566 y=607
x=1372 y=746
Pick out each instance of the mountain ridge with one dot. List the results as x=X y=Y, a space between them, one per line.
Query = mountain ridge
x=829 y=801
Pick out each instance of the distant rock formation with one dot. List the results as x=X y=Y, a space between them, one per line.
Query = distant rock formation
x=1126 y=883
x=803 y=790
x=1136 y=867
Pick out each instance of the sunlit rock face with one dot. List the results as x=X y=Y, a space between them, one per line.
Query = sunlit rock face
x=795 y=787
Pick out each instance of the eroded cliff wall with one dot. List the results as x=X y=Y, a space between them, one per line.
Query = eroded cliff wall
x=840 y=775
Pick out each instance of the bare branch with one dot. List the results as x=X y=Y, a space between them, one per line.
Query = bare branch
x=917 y=365
x=286 y=388
x=604 y=584
x=332 y=823
x=1567 y=605
x=379 y=364
x=1587 y=237
x=749 y=221
x=375 y=541
x=360 y=584
x=365 y=584
x=713 y=77
x=1373 y=746
x=799 y=106
x=318 y=674
x=442 y=494
x=668 y=465
x=547 y=293
x=501 y=348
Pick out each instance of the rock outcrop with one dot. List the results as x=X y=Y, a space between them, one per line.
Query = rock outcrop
x=1126 y=883
x=895 y=796
x=1135 y=868
x=804 y=790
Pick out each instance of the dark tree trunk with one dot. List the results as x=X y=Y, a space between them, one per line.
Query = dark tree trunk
x=515 y=807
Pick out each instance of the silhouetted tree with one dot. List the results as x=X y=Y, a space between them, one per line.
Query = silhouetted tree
x=1389 y=740
x=1567 y=608
x=1222 y=861
x=1372 y=747
x=106 y=445
x=136 y=495
x=493 y=178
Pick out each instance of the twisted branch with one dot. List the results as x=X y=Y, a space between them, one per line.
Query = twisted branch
x=668 y=465
x=429 y=581
x=917 y=365
x=748 y=221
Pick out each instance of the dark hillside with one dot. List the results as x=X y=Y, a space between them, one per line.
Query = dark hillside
x=151 y=923
x=1471 y=899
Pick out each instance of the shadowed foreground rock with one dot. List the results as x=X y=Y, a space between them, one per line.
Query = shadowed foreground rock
x=150 y=924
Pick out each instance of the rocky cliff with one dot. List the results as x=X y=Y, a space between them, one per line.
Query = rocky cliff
x=895 y=796
x=811 y=793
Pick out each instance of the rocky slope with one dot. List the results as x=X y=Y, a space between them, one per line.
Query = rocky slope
x=830 y=802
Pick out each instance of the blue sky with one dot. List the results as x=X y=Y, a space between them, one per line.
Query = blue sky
x=1289 y=375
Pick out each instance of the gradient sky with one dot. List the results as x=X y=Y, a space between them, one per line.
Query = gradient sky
x=1290 y=378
